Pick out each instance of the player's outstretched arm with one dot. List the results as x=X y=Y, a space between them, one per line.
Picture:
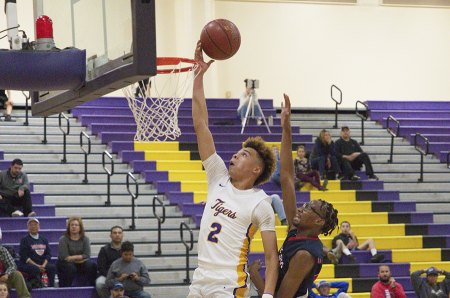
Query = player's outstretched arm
x=199 y=110
x=286 y=163
x=269 y=239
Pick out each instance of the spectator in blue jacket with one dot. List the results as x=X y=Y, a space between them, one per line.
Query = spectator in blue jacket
x=323 y=156
x=35 y=254
x=324 y=287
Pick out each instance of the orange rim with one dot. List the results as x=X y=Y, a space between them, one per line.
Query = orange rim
x=167 y=61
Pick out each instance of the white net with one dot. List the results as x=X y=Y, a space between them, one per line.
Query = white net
x=155 y=103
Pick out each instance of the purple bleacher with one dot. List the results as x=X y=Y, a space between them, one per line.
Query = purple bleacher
x=107 y=101
x=421 y=217
x=87 y=120
x=72 y=292
x=403 y=206
x=143 y=165
x=108 y=137
x=432 y=138
x=119 y=146
x=408 y=105
x=125 y=111
x=443 y=155
x=2 y=156
x=97 y=128
x=129 y=156
x=421 y=121
x=45 y=222
x=378 y=115
x=52 y=235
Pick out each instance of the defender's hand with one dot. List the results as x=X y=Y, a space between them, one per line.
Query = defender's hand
x=286 y=111
x=198 y=56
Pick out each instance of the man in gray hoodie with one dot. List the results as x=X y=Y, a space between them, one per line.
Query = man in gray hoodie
x=130 y=271
x=429 y=287
x=14 y=191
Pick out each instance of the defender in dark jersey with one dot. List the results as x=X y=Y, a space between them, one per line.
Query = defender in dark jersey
x=301 y=254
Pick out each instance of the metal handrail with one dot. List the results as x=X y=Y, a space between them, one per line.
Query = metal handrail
x=337 y=104
x=27 y=107
x=65 y=133
x=363 y=118
x=86 y=153
x=183 y=225
x=44 y=141
x=448 y=159
x=421 y=151
x=134 y=196
x=393 y=134
x=161 y=220
x=109 y=173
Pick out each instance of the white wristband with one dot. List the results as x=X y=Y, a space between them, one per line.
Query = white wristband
x=265 y=295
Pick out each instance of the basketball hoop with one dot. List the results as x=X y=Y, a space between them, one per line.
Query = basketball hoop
x=155 y=104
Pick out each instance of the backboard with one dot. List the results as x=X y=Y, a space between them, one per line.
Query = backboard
x=120 y=43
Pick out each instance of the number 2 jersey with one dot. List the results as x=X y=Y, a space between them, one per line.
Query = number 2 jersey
x=230 y=219
x=291 y=246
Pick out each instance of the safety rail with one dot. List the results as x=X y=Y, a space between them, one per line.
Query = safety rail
x=44 y=141
x=86 y=153
x=27 y=107
x=109 y=173
x=161 y=220
x=134 y=195
x=337 y=104
x=421 y=151
x=363 y=118
x=188 y=247
x=65 y=133
x=393 y=134
x=448 y=159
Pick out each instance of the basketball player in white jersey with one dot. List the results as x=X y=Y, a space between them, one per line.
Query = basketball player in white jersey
x=234 y=209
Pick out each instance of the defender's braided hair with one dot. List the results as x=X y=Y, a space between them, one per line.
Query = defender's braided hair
x=331 y=219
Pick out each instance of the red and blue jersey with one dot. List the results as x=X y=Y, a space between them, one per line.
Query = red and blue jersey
x=291 y=246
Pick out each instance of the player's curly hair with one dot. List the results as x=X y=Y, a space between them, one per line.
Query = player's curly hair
x=331 y=219
x=267 y=156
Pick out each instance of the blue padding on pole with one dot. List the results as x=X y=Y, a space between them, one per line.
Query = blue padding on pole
x=42 y=70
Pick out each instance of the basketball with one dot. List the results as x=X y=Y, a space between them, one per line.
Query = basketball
x=220 y=39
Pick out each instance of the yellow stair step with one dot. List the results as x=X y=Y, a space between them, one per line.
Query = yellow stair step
x=424 y=265
x=416 y=255
x=175 y=175
x=167 y=165
x=145 y=146
x=189 y=186
x=334 y=195
x=167 y=155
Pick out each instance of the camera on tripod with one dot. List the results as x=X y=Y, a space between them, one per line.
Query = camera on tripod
x=251 y=84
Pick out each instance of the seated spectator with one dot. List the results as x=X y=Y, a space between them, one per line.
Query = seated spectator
x=324 y=288
x=248 y=100
x=303 y=171
x=107 y=255
x=386 y=286
x=323 y=156
x=74 y=251
x=35 y=255
x=4 y=293
x=10 y=275
x=129 y=271
x=6 y=102
x=347 y=241
x=429 y=287
x=277 y=205
x=14 y=191
x=276 y=174
x=329 y=254
x=352 y=157
x=117 y=291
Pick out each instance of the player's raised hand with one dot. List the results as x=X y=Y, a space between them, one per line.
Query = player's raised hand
x=198 y=56
x=286 y=111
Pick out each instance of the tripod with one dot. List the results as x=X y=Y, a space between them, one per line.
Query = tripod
x=251 y=105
